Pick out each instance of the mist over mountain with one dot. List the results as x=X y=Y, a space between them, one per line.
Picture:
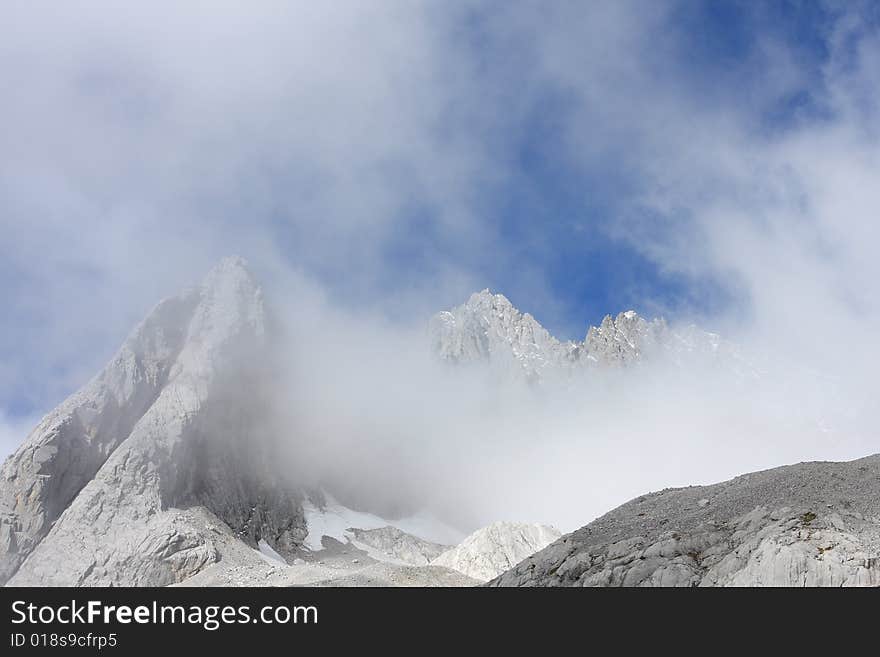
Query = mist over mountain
x=509 y=267
x=228 y=421
x=489 y=328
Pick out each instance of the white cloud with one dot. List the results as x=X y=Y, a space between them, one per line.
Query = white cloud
x=12 y=433
x=142 y=142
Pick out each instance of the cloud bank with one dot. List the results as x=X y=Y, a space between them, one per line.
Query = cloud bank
x=365 y=410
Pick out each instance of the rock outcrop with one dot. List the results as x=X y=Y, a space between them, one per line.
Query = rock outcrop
x=491 y=550
x=811 y=524
x=119 y=485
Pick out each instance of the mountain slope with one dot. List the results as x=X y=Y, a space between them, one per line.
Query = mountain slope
x=811 y=524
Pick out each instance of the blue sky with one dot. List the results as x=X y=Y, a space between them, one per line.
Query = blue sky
x=550 y=215
x=582 y=158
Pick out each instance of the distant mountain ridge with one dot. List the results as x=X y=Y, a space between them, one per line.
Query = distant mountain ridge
x=488 y=328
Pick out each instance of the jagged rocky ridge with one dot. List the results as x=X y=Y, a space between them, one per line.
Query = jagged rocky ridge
x=488 y=328
x=811 y=524
x=128 y=480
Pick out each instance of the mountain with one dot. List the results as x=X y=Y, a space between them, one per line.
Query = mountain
x=169 y=468
x=163 y=470
x=488 y=328
x=811 y=524
x=490 y=551
x=130 y=480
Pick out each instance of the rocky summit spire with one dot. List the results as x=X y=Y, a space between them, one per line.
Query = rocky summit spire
x=625 y=339
x=487 y=327
x=124 y=455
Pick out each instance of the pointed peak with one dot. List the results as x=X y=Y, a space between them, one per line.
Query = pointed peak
x=231 y=263
x=486 y=297
x=230 y=270
x=231 y=297
x=629 y=318
x=485 y=293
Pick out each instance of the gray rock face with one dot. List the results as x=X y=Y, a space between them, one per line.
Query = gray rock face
x=488 y=328
x=101 y=491
x=811 y=524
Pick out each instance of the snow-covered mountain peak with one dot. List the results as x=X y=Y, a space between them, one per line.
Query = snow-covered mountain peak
x=486 y=298
x=623 y=339
x=231 y=298
x=488 y=328
x=157 y=431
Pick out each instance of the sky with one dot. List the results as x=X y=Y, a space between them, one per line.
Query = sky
x=707 y=161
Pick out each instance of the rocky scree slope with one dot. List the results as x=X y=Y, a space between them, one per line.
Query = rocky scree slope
x=122 y=482
x=811 y=524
